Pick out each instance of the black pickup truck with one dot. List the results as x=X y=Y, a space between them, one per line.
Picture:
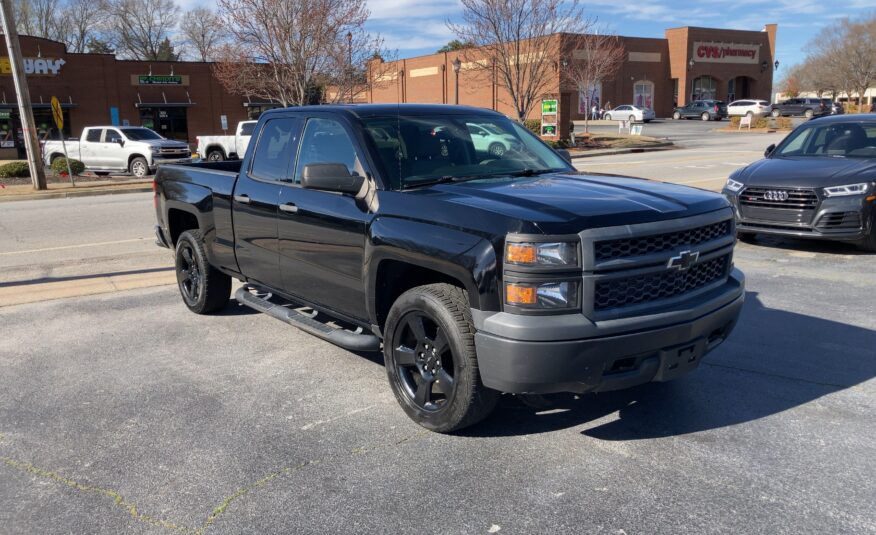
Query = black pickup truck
x=396 y=228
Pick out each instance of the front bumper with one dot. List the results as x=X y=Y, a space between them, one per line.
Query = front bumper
x=835 y=218
x=571 y=353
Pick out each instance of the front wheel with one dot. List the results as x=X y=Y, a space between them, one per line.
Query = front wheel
x=869 y=243
x=705 y=116
x=776 y=114
x=606 y=117
x=676 y=116
x=431 y=362
x=139 y=168
x=204 y=289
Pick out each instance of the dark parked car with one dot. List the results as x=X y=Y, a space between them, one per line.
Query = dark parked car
x=820 y=182
x=386 y=227
x=796 y=107
x=707 y=110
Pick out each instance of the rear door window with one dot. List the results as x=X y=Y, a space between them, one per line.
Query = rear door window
x=275 y=151
x=93 y=135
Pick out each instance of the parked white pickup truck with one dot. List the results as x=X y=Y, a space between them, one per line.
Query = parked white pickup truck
x=218 y=148
x=109 y=149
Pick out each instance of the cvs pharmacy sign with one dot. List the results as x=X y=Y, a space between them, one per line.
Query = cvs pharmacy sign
x=725 y=52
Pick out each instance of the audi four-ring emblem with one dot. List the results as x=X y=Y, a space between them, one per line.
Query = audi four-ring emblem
x=776 y=195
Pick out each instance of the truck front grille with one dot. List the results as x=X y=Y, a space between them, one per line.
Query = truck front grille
x=658 y=243
x=642 y=268
x=614 y=293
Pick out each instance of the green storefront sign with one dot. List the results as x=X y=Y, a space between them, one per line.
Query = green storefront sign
x=549 y=107
x=145 y=79
x=5 y=114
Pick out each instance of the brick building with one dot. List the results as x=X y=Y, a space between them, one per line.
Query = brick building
x=688 y=63
x=180 y=100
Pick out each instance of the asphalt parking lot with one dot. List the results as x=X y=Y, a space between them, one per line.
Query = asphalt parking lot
x=124 y=412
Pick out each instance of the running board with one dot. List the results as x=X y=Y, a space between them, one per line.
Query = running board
x=291 y=313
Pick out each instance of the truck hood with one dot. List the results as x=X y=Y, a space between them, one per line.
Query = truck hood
x=165 y=143
x=808 y=172
x=569 y=203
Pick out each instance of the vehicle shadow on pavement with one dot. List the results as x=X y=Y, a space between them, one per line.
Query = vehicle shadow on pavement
x=774 y=361
x=804 y=245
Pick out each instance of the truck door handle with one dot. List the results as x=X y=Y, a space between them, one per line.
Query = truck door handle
x=289 y=207
x=242 y=199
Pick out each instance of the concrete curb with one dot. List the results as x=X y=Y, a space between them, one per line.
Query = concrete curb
x=71 y=194
x=630 y=150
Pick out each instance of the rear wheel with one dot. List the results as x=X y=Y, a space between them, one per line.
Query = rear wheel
x=139 y=168
x=776 y=113
x=808 y=114
x=215 y=155
x=632 y=118
x=749 y=114
x=705 y=116
x=431 y=361
x=204 y=289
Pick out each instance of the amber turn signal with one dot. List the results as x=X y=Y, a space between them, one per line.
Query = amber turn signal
x=519 y=295
x=520 y=253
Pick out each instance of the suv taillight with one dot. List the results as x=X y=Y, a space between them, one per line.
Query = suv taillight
x=717 y=109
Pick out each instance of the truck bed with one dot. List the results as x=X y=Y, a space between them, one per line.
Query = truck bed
x=217 y=176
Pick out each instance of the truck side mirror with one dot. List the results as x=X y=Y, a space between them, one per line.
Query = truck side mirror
x=564 y=154
x=121 y=141
x=769 y=150
x=331 y=177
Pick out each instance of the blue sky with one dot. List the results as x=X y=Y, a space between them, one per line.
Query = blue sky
x=415 y=27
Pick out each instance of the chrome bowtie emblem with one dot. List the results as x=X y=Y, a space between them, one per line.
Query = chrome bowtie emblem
x=684 y=261
x=776 y=195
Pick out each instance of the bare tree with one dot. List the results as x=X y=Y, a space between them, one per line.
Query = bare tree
x=82 y=22
x=138 y=28
x=518 y=38
x=283 y=50
x=842 y=57
x=596 y=57
x=39 y=18
x=203 y=32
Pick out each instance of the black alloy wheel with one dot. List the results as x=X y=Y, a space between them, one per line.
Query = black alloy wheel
x=203 y=288
x=424 y=362
x=431 y=361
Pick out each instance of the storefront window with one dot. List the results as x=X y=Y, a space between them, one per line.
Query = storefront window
x=643 y=94
x=171 y=123
x=704 y=88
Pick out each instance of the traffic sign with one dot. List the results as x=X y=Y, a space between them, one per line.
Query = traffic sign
x=57 y=113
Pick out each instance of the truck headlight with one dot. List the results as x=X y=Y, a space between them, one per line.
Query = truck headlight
x=850 y=189
x=733 y=185
x=541 y=254
x=553 y=295
x=155 y=150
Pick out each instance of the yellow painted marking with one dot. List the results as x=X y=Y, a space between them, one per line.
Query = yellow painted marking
x=80 y=246
x=32 y=293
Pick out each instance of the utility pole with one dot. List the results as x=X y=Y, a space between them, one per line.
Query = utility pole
x=31 y=143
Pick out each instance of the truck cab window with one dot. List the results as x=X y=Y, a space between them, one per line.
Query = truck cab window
x=275 y=149
x=326 y=141
x=112 y=136
x=93 y=135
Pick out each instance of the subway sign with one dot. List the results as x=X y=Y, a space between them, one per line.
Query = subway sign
x=35 y=66
x=707 y=52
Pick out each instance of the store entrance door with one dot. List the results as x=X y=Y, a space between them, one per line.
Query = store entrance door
x=171 y=123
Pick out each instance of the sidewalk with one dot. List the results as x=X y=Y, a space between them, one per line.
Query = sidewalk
x=84 y=188
x=576 y=154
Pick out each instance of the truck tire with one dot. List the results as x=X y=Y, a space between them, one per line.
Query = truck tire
x=430 y=358
x=215 y=155
x=139 y=167
x=204 y=289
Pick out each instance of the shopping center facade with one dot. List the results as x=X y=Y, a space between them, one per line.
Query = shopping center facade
x=688 y=63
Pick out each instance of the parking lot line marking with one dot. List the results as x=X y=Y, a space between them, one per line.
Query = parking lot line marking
x=79 y=246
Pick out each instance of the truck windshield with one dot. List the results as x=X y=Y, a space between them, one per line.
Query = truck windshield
x=140 y=134
x=834 y=140
x=422 y=149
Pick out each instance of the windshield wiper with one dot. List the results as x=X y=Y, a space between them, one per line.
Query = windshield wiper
x=531 y=172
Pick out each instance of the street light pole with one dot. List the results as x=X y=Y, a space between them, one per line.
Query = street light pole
x=31 y=143
x=350 y=62
x=456 y=66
